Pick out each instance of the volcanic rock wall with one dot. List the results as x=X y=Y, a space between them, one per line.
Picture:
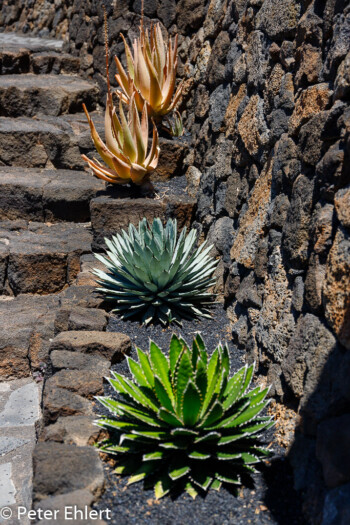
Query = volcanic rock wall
x=267 y=86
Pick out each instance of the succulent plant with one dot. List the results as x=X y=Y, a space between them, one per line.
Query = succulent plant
x=125 y=151
x=155 y=275
x=151 y=72
x=175 y=126
x=182 y=423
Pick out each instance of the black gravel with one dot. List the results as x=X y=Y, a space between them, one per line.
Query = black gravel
x=269 y=500
x=175 y=186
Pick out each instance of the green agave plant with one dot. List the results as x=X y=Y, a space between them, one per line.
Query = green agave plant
x=154 y=274
x=182 y=423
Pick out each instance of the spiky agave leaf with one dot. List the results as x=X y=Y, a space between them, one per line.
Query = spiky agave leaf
x=155 y=275
x=182 y=423
x=151 y=72
x=126 y=149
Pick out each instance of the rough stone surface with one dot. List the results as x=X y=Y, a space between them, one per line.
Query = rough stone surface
x=27 y=325
x=77 y=318
x=305 y=364
x=83 y=296
x=110 y=215
x=335 y=291
x=332 y=451
x=50 y=94
x=61 y=469
x=336 y=510
x=245 y=243
x=279 y=23
x=296 y=226
x=46 y=195
x=86 y=383
x=171 y=159
x=342 y=206
x=64 y=359
x=43 y=258
x=72 y=430
x=111 y=346
x=46 y=141
x=59 y=402
x=310 y=102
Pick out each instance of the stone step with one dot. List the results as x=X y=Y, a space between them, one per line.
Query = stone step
x=85 y=383
x=31 y=43
x=29 y=94
x=51 y=142
x=46 y=195
x=40 y=258
x=29 y=323
x=59 y=142
x=25 y=54
x=112 y=211
x=78 y=318
x=106 y=345
x=68 y=360
x=50 y=62
x=19 y=61
x=60 y=402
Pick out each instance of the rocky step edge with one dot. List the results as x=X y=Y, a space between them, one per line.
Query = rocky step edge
x=30 y=54
x=44 y=195
x=29 y=94
x=40 y=258
x=65 y=465
x=111 y=213
x=59 y=142
x=15 y=61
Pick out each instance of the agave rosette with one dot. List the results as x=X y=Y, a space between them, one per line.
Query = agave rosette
x=154 y=274
x=151 y=72
x=126 y=149
x=181 y=422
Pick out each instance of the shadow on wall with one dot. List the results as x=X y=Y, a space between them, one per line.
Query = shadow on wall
x=320 y=453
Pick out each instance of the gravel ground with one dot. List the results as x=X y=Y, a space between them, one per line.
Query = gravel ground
x=270 y=499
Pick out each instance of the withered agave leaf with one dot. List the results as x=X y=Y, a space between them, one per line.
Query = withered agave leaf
x=151 y=72
x=182 y=422
x=126 y=146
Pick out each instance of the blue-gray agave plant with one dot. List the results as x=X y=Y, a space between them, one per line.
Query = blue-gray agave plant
x=182 y=423
x=155 y=275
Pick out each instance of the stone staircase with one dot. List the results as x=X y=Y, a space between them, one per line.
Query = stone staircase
x=45 y=284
